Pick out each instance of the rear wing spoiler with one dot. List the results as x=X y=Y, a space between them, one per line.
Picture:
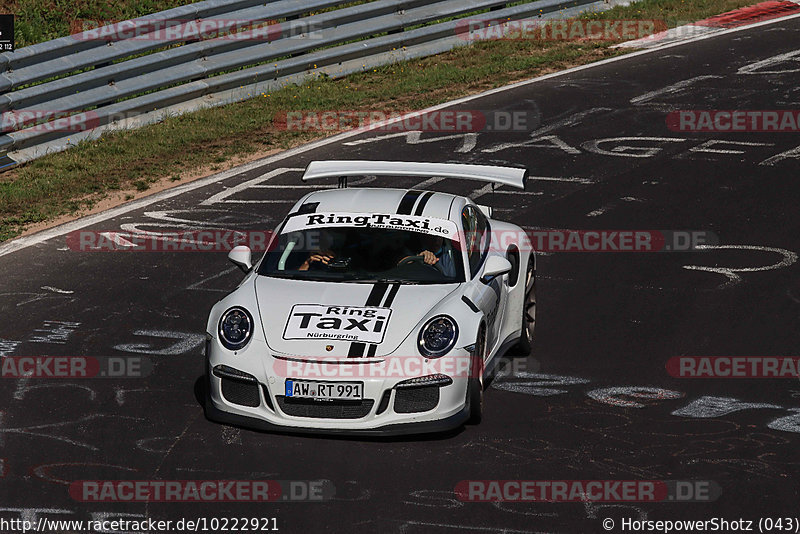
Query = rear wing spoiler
x=509 y=176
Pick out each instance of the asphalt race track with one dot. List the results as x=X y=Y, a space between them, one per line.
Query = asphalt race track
x=605 y=320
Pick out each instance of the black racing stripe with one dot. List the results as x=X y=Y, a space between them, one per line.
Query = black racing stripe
x=376 y=295
x=407 y=202
x=357 y=348
x=391 y=295
x=308 y=207
x=373 y=347
x=422 y=201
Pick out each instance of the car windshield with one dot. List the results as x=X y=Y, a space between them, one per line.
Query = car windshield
x=366 y=253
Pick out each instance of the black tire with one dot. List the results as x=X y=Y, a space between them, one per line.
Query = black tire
x=475 y=380
x=525 y=343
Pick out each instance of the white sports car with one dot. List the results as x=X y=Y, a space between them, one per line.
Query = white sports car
x=373 y=311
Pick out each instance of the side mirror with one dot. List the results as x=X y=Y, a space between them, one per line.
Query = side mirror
x=487 y=210
x=495 y=266
x=241 y=257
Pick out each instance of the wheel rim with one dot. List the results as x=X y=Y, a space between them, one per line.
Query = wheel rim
x=482 y=355
x=477 y=368
x=529 y=308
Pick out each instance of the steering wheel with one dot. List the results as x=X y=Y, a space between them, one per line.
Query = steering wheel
x=416 y=260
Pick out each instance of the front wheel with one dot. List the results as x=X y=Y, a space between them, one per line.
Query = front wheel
x=525 y=343
x=475 y=380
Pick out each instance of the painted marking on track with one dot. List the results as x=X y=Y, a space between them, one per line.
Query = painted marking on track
x=435 y=499
x=46 y=430
x=629 y=151
x=672 y=89
x=792 y=59
x=429 y=182
x=8 y=346
x=707 y=407
x=414 y=137
x=56 y=332
x=222 y=196
x=632 y=396
x=23 y=388
x=643 y=396
x=732 y=273
x=43 y=471
x=221 y=221
x=793 y=153
x=542 y=385
x=545 y=141
x=587 y=181
x=31 y=515
x=152 y=444
x=196 y=285
x=523 y=508
x=538 y=135
x=117 y=239
x=56 y=290
x=789 y=423
x=418 y=526
x=705 y=147
x=598 y=211
x=34 y=297
x=250 y=475
x=488 y=188
x=188 y=342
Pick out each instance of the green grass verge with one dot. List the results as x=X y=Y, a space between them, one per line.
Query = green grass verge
x=67 y=182
x=42 y=20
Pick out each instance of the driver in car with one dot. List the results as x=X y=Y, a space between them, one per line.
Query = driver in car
x=322 y=257
x=435 y=253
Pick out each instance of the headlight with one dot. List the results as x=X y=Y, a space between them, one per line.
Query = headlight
x=438 y=336
x=235 y=328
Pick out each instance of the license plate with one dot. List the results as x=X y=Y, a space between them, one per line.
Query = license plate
x=309 y=389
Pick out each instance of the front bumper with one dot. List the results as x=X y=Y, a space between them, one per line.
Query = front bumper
x=213 y=413
x=385 y=411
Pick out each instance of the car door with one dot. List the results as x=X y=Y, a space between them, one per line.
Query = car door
x=489 y=297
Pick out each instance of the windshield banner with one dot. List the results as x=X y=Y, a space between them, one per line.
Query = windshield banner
x=411 y=223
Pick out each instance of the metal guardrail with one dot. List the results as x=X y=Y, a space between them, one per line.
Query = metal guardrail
x=131 y=82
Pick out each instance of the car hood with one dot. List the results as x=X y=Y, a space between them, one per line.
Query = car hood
x=323 y=320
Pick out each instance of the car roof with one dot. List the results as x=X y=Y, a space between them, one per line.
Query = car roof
x=380 y=200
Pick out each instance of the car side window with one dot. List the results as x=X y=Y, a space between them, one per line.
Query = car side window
x=475 y=235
